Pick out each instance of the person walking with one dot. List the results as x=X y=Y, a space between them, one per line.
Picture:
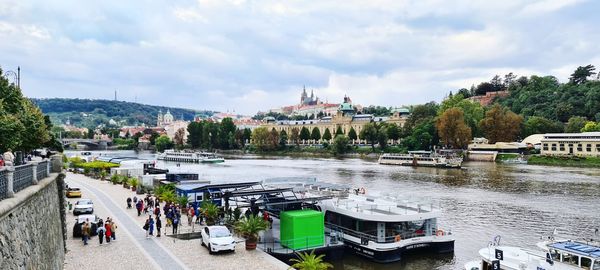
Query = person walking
x=157 y=210
x=151 y=225
x=146 y=226
x=138 y=206
x=9 y=158
x=113 y=230
x=85 y=232
x=190 y=215
x=128 y=202
x=175 y=223
x=158 y=225
x=100 y=232
x=108 y=232
x=169 y=218
x=198 y=217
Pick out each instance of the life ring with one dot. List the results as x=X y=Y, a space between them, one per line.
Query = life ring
x=439 y=233
x=362 y=190
x=397 y=238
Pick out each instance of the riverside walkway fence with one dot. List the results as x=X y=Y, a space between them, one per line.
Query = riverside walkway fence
x=17 y=178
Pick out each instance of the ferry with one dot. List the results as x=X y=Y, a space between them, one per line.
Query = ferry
x=384 y=230
x=553 y=255
x=421 y=158
x=194 y=157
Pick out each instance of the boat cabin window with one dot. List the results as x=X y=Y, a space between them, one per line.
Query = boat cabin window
x=586 y=263
x=410 y=229
x=555 y=255
x=571 y=259
x=597 y=265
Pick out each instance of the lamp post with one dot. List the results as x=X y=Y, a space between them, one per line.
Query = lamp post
x=16 y=76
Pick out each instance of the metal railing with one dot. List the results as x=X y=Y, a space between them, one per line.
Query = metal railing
x=23 y=177
x=16 y=178
x=371 y=235
x=283 y=247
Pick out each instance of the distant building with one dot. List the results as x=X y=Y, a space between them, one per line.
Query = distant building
x=309 y=105
x=345 y=117
x=164 y=119
x=489 y=97
x=577 y=144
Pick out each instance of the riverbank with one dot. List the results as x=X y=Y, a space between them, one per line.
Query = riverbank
x=571 y=161
x=306 y=152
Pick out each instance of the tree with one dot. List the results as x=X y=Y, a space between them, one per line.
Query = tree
x=369 y=133
x=452 y=129
x=541 y=125
x=304 y=134
x=295 y=136
x=327 y=135
x=473 y=112
x=163 y=142
x=581 y=74
x=179 y=138
x=340 y=144
x=194 y=134
x=339 y=131
x=153 y=136
x=352 y=134
x=591 y=127
x=575 y=124
x=283 y=139
x=316 y=134
x=260 y=138
x=501 y=125
x=382 y=136
x=393 y=132
x=274 y=140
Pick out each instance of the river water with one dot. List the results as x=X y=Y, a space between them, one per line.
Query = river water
x=519 y=202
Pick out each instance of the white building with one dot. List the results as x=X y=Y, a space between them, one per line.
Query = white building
x=578 y=144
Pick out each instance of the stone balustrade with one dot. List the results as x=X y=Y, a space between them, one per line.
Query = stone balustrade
x=16 y=178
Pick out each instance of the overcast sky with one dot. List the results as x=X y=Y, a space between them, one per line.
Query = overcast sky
x=255 y=55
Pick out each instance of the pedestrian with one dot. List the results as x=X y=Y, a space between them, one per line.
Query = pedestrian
x=9 y=158
x=156 y=202
x=151 y=225
x=198 y=217
x=138 y=206
x=151 y=205
x=100 y=232
x=108 y=232
x=169 y=218
x=135 y=200
x=100 y=223
x=85 y=231
x=128 y=202
x=175 y=224
x=146 y=226
x=157 y=210
x=158 y=225
x=190 y=215
x=113 y=230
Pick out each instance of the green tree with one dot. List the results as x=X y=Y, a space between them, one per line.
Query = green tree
x=179 y=138
x=340 y=144
x=421 y=137
x=339 y=131
x=369 y=133
x=304 y=134
x=316 y=134
x=260 y=138
x=541 y=125
x=581 y=74
x=575 y=124
x=393 y=132
x=591 y=127
x=295 y=136
x=194 y=134
x=327 y=135
x=274 y=140
x=283 y=139
x=382 y=136
x=352 y=134
x=163 y=142
x=452 y=129
x=472 y=111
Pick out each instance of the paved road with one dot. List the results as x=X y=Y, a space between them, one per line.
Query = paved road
x=155 y=252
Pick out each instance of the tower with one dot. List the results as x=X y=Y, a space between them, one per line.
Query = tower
x=304 y=96
x=159 y=119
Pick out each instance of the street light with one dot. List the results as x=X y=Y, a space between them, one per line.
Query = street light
x=16 y=76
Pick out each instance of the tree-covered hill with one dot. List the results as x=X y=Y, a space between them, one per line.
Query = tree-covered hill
x=93 y=112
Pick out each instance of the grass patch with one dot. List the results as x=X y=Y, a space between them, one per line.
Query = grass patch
x=506 y=156
x=574 y=161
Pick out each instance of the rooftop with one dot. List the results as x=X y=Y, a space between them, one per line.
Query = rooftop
x=578 y=248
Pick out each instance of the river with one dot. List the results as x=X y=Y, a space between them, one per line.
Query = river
x=519 y=202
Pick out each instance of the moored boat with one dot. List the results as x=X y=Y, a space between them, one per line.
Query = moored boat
x=193 y=157
x=421 y=158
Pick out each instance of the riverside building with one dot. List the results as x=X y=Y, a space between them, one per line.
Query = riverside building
x=578 y=144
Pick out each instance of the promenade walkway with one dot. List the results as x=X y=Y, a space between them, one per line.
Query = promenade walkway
x=133 y=250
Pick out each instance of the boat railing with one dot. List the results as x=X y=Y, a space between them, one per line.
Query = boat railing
x=307 y=243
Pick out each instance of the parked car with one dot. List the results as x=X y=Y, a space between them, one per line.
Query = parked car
x=217 y=238
x=92 y=219
x=73 y=192
x=83 y=206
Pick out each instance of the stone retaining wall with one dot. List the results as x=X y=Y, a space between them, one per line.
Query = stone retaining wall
x=32 y=227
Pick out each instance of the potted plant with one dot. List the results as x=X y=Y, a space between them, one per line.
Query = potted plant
x=103 y=175
x=168 y=196
x=211 y=212
x=182 y=201
x=311 y=261
x=133 y=182
x=115 y=179
x=249 y=227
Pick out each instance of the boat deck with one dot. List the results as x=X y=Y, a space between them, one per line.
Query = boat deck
x=379 y=206
x=270 y=241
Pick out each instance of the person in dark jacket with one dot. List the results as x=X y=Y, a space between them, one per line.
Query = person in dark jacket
x=158 y=225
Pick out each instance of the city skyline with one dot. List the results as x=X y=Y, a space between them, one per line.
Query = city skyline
x=250 y=56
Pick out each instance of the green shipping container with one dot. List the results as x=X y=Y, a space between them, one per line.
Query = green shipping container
x=301 y=229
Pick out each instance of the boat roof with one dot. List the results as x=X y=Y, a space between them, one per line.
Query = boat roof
x=592 y=251
x=216 y=186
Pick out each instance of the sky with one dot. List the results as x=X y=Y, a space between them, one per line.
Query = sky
x=246 y=56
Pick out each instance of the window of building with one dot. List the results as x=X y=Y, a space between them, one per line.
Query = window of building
x=588 y=147
x=553 y=147
x=545 y=147
x=562 y=147
x=598 y=147
x=579 y=147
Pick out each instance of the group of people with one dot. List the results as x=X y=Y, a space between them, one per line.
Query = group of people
x=105 y=230
x=9 y=159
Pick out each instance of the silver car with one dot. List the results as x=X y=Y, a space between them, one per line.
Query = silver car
x=83 y=206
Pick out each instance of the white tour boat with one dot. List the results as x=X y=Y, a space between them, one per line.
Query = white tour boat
x=553 y=255
x=421 y=158
x=382 y=229
x=195 y=157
